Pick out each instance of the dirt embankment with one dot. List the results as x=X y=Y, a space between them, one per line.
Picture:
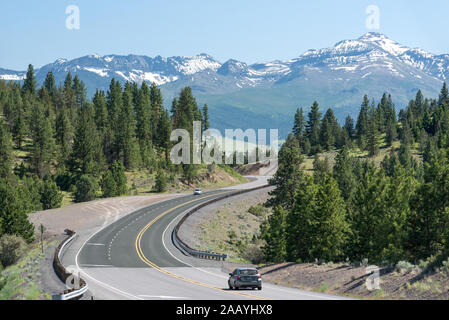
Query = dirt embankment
x=227 y=227
x=410 y=284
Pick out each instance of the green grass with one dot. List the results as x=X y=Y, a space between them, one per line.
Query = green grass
x=19 y=281
x=324 y=288
x=355 y=152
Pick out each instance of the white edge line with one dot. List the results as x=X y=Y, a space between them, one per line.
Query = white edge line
x=214 y=274
x=123 y=293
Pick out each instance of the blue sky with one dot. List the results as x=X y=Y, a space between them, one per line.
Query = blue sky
x=248 y=30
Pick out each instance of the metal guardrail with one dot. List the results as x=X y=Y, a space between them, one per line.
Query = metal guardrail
x=204 y=254
x=64 y=274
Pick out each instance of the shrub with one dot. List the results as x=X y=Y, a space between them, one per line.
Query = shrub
x=253 y=253
x=114 y=181
x=12 y=249
x=86 y=189
x=404 y=266
x=258 y=211
x=445 y=266
x=51 y=197
x=64 y=181
x=161 y=182
x=365 y=262
x=423 y=264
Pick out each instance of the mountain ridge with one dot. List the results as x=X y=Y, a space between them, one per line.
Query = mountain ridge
x=337 y=76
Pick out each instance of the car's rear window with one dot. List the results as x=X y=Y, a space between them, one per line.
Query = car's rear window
x=249 y=272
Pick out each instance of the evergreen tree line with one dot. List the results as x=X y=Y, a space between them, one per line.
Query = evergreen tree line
x=68 y=142
x=357 y=209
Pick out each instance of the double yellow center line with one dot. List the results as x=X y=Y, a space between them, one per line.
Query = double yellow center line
x=153 y=265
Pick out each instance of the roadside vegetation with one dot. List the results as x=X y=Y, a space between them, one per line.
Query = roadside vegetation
x=58 y=147
x=375 y=191
x=19 y=269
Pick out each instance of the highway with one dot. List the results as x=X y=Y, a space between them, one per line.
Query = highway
x=135 y=258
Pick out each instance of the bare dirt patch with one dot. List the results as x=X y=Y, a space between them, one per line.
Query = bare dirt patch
x=351 y=281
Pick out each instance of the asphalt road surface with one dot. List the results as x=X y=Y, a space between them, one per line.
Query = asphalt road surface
x=135 y=258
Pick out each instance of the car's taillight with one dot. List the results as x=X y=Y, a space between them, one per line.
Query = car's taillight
x=260 y=277
x=238 y=277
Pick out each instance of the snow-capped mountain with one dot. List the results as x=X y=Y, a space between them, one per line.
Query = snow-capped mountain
x=269 y=93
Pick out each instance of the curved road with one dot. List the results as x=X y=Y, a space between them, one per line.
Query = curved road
x=135 y=258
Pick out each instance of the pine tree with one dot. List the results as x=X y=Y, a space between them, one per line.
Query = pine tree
x=372 y=133
x=321 y=168
x=64 y=135
x=69 y=98
x=273 y=231
x=419 y=104
x=390 y=164
x=188 y=112
x=429 y=220
x=13 y=212
x=100 y=111
x=363 y=213
x=363 y=123
x=43 y=147
x=157 y=104
x=126 y=132
x=329 y=130
x=344 y=174
x=144 y=126
x=51 y=197
x=80 y=92
x=317 y=224
x=85 y=158
x=164 y=132
x=114 y=181
x=161 y=182
x=348 y=127
x=114 y=106
x=19 y=129
x=289 y=176
x=444 y=96
x=30 y=83
x=299 y=124
x=206 y=124
x=174 y=113
x=6 y=155
x=86 y=189
x=50 y=84
x=313 y=125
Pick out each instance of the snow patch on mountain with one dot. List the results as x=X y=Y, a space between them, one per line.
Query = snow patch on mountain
x=100 y=72
x=197 y=64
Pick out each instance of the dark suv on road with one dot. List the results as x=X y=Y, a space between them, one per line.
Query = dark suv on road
x=245 y=278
